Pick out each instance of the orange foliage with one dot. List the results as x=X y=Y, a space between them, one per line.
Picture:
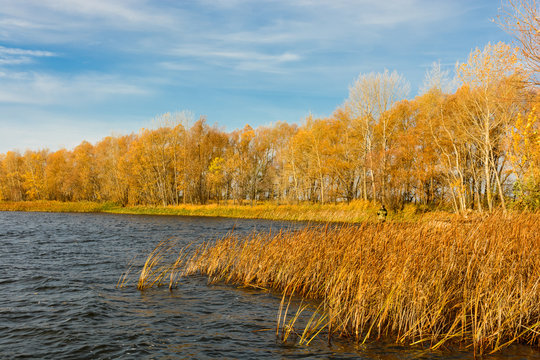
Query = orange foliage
x=437 y=150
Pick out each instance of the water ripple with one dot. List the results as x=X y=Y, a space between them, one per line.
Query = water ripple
x=58 y=298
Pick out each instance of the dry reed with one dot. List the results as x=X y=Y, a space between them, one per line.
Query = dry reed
x=355 y=211
x=474 y=284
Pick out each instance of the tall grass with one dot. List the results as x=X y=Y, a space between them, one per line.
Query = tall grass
x=476 y=284
x=56 y=206
x=355 y=211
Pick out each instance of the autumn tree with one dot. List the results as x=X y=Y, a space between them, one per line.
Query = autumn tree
x=421 y=153
x=60 y=177
x=263 y=153
x=282 y=175
x=12 y=179
x=204 y=144
x=3 y=180
x=370 y=98
x=217 y=178
x=179 y=123
x=438 y=79
x=113 y=174
x=524 y=155
x=521 y=18
x=85 y=173
x=406 y=176
x=467 y=148
x=148 y=168
x=346 y=164
x=312 y=150
x=455 y=154
x=35 y=163
x=492 y=81
x=241 y=162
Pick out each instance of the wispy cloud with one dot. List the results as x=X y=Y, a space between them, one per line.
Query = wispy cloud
x=177 y=66
x=70 y=21
x=80 y=58
x=16 y=56
x=127 y=14
x=24 y=52
x=239 y=59
x=276 y=21
x=43 y=89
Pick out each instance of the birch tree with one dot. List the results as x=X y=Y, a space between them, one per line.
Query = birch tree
x=521 y=18
x=370 y=97
x=493 y=76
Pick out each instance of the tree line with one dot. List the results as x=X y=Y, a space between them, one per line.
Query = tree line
x=471 y=142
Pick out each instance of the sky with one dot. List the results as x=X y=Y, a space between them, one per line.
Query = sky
x=74 y=70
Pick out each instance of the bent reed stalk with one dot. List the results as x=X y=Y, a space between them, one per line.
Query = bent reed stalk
x=474 y=284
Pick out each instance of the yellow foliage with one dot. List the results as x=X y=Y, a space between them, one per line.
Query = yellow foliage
x=525 y=147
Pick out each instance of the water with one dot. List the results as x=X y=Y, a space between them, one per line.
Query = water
x=58 y=297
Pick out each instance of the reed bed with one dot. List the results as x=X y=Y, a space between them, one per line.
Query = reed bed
x=355 y=211
x=56 y=206
x=475 y=284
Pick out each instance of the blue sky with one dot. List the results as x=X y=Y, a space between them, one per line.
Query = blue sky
x=73 y=70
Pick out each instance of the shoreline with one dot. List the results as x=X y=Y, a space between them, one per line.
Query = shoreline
x=355 y=212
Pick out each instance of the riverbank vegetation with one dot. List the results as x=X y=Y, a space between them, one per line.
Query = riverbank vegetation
x=476 y=147
x=472 y=284
x=354 y=211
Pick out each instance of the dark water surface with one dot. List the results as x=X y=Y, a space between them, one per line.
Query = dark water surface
x=58 y=297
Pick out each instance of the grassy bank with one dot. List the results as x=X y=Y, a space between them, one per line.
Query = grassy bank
x=56 y=206
x=476 y=284
x=356 y=211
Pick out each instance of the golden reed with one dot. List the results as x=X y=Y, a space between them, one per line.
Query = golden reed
x=471 y=283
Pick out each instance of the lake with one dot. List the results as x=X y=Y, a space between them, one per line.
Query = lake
x=59 y=300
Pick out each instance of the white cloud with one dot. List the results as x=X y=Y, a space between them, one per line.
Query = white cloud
x=16 y=56
x=177 y=66
x=76 y=21
x=15 y=61
x=247 y=60
x=285 y=21
x=115 y=13
x=202 y=52
x=15 y=51
x=17 y=23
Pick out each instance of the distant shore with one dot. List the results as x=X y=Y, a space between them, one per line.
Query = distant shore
x=348 y=213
